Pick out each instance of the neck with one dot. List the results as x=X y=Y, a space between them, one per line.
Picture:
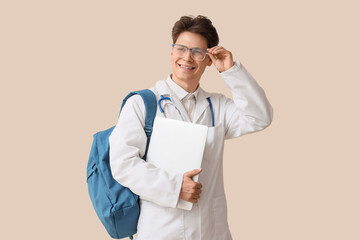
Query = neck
x=189 y=86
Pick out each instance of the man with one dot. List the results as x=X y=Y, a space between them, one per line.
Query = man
x=195 y=47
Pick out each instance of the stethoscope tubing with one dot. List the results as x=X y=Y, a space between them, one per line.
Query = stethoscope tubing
x=212 y=112
x=159 y=102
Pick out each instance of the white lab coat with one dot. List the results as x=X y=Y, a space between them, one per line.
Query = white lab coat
x=249 y=111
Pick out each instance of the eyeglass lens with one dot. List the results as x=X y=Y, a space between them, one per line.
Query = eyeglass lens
x=197 y=54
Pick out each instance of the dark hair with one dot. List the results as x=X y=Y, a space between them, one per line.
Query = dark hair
x=200 y=25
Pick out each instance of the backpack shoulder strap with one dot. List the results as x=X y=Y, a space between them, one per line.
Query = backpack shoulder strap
x=149 y=99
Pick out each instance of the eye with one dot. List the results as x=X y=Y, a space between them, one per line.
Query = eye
x=180 y=49
x=197 y=51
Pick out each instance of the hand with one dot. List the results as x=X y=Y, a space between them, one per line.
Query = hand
x=190 y=190
x=221 y=58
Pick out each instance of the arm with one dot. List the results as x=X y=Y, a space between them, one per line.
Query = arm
x=249 y=110
x=127 y=146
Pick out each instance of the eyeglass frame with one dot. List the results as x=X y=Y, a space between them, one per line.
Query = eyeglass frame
x=187 y=49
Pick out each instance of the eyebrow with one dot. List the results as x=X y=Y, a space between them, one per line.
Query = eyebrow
x=192 y=47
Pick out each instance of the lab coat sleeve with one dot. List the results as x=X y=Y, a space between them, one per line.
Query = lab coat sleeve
x=249 y=110
x=127 y=146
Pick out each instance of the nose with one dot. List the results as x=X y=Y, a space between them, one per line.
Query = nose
x=187 y=56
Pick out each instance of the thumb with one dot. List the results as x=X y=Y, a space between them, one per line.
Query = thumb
x=193 y=172
x=212 y=57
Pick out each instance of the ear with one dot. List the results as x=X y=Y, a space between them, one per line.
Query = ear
x=210 y=62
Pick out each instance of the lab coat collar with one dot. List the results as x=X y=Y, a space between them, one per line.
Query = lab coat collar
x=164 y=89
x=179 y=91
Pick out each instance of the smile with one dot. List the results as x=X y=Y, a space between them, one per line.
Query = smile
x=189 y=68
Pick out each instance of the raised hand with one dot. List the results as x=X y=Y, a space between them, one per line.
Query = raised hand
x=221 y=58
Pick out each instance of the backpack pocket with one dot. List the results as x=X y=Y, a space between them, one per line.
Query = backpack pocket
x=99 y=193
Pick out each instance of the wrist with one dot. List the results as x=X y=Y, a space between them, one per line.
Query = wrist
x=228 y=67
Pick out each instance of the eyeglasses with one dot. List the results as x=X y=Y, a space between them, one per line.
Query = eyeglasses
x=198 y=54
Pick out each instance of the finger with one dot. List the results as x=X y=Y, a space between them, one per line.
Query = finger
x=210 y=49
x=220 y=52
x=193 y=172
x=212 y=57
x=196 y=197
x=215 y=50
x=194 y=191
x=198 y=191
x=191 y=186
x=192 y=200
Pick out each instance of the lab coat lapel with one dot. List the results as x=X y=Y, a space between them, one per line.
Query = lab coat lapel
x=181 y=107
x=164 y=89
x=201 y=104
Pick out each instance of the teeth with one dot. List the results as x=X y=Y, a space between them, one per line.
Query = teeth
x=186 y=67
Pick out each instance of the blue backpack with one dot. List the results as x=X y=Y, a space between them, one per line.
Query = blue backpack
x=116 y=206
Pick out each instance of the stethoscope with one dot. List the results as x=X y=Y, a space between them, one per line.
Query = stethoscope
x=170 y=102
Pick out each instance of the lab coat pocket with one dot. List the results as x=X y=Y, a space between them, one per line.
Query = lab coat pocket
x=220 y=214
x=214 y=143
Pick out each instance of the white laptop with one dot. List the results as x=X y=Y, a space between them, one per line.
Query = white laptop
x=177 y=146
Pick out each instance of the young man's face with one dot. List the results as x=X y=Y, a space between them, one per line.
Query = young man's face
x=186 y=70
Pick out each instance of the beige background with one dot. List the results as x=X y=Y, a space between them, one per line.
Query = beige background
x=66 y=65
